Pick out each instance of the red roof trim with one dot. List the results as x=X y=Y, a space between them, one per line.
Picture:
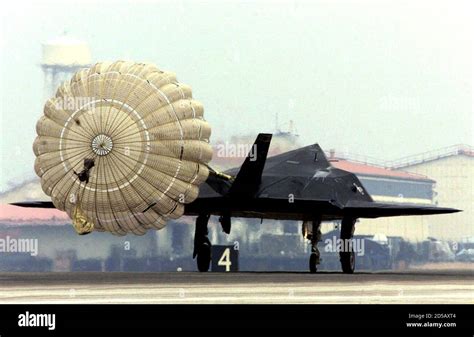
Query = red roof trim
x=369 y=170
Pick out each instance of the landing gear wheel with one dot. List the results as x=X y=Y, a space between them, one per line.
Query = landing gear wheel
x=204 y=256
x=347 y=262
x=313 y=263
x=347 y=256
x=202 y=245
x=312 y=231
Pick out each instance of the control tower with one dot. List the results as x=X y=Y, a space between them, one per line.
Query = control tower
x=62 y=57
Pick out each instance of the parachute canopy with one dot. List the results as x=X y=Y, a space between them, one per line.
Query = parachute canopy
x=122 y=147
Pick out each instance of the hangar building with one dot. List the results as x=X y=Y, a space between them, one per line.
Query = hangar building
x=443 y=177
x=392 y=186
x=453 y=170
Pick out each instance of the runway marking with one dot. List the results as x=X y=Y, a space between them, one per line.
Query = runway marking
x=184 y=287
x=242 y=293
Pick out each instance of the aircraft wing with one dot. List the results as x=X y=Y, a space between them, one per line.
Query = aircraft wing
x=367 y=209
x=34 y=204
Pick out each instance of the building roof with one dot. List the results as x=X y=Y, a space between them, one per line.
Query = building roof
x=372 y=170
x=18 y=215
x=455 y=150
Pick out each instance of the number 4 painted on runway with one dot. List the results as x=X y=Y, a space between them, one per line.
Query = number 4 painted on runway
x=225 y=260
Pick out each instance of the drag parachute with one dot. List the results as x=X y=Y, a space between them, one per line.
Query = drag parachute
x=122 y=147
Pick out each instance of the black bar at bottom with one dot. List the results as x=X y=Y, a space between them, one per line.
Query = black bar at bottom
x=237 y=320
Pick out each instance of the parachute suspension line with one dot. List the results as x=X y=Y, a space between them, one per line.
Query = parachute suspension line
x=109 y=112
x=113 y=95
x=135 y=85
x=126 y=228
x=143 y=100
x=95 y=192
x=118 y=135
x=218 y=174
x=125 y=198
x=101 y=90
x=109 y=202
x=116 y=219
x=95 y=129
x=163 y=193
x=177 y=120
x=89 y=130
x=83 y=138
x=146 y=198
x=137 y=190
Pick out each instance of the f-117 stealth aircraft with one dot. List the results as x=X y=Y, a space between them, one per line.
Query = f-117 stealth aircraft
x=297 y=185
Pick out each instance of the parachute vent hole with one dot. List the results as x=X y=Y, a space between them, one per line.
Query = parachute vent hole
x=102 y=144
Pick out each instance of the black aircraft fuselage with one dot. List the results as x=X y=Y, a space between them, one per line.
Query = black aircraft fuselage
x=296 y=185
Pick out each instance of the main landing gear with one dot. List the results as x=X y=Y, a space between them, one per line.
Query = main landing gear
x=312 y=232
x=202 y=244
x=347 y=255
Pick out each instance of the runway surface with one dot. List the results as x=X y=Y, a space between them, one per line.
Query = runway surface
x=424 y=286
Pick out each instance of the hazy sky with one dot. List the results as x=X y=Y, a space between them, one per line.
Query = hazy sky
x=380 y=78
